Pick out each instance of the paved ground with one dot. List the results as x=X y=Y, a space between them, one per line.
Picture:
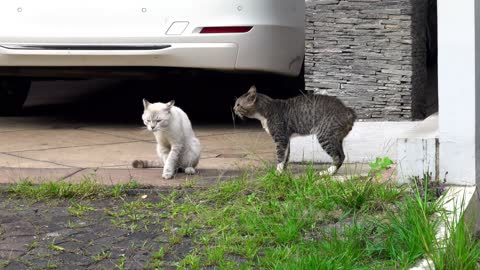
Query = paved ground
x=71 y=131
x=48 y=235
x=46 y=148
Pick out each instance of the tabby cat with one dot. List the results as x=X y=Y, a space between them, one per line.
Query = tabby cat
x=324 y=116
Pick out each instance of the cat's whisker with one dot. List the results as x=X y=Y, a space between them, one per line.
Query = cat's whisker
x=144 y=130
x=233 y=117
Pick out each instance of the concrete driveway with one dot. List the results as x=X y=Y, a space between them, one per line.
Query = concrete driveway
x=70 y=131
x=92 y=129
x=46 y=148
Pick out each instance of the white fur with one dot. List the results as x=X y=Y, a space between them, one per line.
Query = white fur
x=263 y=121
x=177 y=145
x=280 y=167
x=330 y=171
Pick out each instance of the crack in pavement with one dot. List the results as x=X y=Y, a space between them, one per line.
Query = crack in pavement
x=64 y=147
x=38 y=160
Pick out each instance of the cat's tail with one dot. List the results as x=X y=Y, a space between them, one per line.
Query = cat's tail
x=352 y=116
x=146 y=164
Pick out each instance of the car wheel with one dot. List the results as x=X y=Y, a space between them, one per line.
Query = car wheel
x=13 y=93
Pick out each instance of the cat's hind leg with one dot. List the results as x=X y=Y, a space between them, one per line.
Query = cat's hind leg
x=334 y=149
x=283 y=150
x=190 y=170
x=191 y=157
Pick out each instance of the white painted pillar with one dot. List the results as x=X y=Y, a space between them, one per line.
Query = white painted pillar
x=457 y=86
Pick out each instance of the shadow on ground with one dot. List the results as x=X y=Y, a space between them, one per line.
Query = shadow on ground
x=207 y=100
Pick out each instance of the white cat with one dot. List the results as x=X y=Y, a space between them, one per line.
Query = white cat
x=177 y=145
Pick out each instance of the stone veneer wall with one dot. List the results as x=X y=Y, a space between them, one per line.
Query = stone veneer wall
x=369 y=53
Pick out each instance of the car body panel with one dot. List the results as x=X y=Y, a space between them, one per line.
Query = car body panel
x=275 y=43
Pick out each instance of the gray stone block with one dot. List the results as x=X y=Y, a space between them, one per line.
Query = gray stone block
x=365 y=50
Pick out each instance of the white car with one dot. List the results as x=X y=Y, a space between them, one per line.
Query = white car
x=38 y=38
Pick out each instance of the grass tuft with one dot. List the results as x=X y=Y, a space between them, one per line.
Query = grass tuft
x=85 y=189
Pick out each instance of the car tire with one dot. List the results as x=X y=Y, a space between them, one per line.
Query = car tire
x=13 y=93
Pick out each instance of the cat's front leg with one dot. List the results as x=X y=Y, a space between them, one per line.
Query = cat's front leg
x=162 y=153
x=282 y=146
x=171 y=162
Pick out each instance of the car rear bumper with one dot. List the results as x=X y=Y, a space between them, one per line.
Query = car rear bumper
x=230 y=52
x=194 y=55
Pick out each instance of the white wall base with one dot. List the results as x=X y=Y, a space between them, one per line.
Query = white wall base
x=418 y=150
x=412 y=145
x=366 y=141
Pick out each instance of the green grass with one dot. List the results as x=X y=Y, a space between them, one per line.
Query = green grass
x=121 y=263
x=461 y=249
x=85 y=189
x=304 y=222
x=311 y=222
x=269 y=221
x=79 y=209
x=102 y=256
x=32 y=245
x=54 y=247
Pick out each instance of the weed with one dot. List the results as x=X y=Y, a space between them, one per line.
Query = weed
x=104 y=254
x=120 y=190
x=121 y=263
x=51 y=265
x=429 y=187
x=79 y=209
x=32 y=245
x=189 y=183
x=73 y=225
x=379 y=165
x=191 y=261
x=159 y=254
x=54 y=247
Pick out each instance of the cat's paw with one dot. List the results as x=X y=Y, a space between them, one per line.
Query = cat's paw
x=280 y=167
x=189 y=170
x=138 y=164
x=328 y=172
x=167 y=174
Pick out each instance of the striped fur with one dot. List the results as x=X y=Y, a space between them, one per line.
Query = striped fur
x=324 y=116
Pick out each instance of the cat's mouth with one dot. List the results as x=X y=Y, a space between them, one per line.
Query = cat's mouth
x=240 y=113
x=153 y=129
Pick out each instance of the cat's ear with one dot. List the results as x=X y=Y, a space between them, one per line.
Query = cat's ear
x=170 y=104
x=146 y=104
x=252 y=94
x=252 y=90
